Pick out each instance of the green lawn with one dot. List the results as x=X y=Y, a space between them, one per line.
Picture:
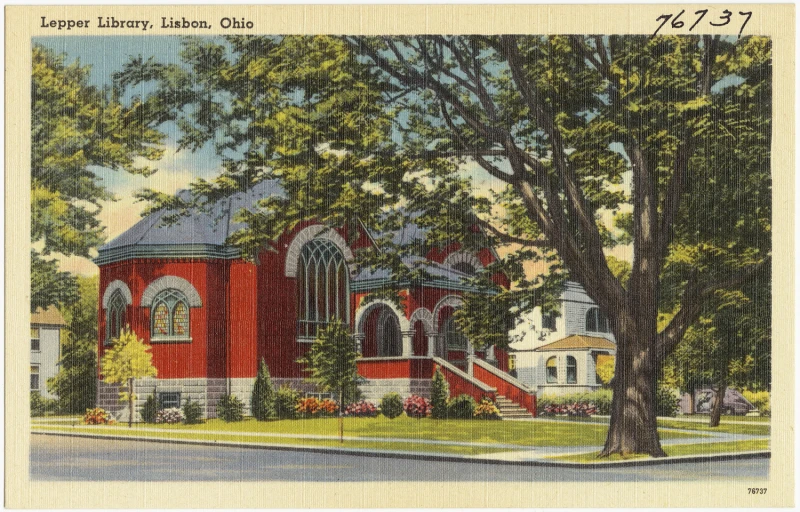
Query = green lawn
x=725 y=417
x=761 y=427
x=676 y=450
x=522 y=433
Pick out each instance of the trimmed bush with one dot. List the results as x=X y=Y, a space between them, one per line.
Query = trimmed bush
x=760 y=400
x=285 y=402
x=486 y=410
x=192 y=413
x=361 y=409
x=666 y=402
x=461 y=407
x=416 y=406
x=262 y=400
x=440 y=392
x=41 y=405
x=391 y=405
x=172 y=415
x=150 y=409
x=600 y=398
x=230 y=408
x=97 y=416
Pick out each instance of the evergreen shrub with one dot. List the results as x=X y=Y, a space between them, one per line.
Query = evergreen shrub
x=285 y=402
x=440 y=392
x=150 y=408
x=391 y=405
x=192 y=413
x=230 y=408
x=461 y=407
x=666 y=402
x=262 y=400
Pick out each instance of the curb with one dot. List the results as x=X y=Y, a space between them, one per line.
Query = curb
x=422 y=455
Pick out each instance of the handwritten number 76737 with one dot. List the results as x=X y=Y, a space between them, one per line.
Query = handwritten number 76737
x=723 y=18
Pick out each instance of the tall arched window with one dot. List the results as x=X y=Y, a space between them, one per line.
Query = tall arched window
x=596 y=321
x=389 y=342
x=323 y=286
x=572 y=370
x=552 y=370
x=169 y=316
x=452 y=335
x=115 y=316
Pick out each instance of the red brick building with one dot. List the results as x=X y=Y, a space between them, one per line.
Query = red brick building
x=210 y=316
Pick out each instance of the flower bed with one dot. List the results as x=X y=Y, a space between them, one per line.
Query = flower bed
x=97 y=416
x=416 y=406
x=361 y=409
x=312 y=407
x=170 y=416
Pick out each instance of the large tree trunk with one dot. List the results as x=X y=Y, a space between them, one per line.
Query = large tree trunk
x=633 y=427
x=716 y=408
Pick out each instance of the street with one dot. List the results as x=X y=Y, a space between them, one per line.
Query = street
x=58 y=458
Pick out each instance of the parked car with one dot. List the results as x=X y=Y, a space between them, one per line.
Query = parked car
x=733 y=403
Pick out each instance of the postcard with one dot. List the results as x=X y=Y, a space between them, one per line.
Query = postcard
x=400 y=256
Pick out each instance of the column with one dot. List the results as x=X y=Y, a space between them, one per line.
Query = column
x=431 y=345
x=408 y=343
x=360 y=343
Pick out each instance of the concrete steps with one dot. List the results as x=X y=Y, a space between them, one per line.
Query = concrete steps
x=511 y=411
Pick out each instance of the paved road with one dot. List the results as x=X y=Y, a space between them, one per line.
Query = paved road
x=65 y=458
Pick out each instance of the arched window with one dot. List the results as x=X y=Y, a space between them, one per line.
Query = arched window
x=572 y=370
x=323 y=286
x=552 y=370
x=596 y=321
x=169 y=316
x=115 y=316
x=389 y=342
x=452 y=335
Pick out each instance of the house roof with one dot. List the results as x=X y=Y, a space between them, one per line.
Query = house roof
x=49 y=316
x=578 y=342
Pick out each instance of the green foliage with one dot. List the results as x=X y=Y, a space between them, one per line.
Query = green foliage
x=262 y=399
x=76 y=126
x=461 y=407
x=605 y=370
x=128 y=358
x=600 y=398
x=666 y=402
x=285 y=402
x=391 y=405
x=760 y=400
x=150 y=408
x=41 y=405
x=331 y=361
x=230 y=408
x=440 y=392
x=192 y=413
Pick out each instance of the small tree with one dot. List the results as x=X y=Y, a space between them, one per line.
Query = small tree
x=127 y=359
x=262 y=400
x=440 y=392
x=331 y=360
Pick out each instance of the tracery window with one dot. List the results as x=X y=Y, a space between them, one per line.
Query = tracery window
x=115 y=316
x=323 y=286
x=169 y=317
x=596 y=321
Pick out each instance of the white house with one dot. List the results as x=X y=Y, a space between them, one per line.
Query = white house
x=45 y=347
x=558 y=353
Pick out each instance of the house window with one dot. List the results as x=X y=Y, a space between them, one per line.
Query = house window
x=169 y=316
x=452 y=335
x=552 y=370
x=35 y=345
x=34 y=378
x=170 y=399
x=323 y=286
x=596 y=321
x=115 y=316
x=572 y=370
x=549 y=321
x=512 y=362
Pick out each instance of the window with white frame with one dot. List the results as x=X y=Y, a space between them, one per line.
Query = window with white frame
x=115 y=316
x=35 y=339
x=34 y=377
x=596 y=321
x=323 y=287
x=551 y=367
x=572 y=370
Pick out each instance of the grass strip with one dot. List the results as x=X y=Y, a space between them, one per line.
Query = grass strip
x=674 y=451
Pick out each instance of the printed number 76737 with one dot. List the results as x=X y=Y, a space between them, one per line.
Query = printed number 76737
x=724 y=19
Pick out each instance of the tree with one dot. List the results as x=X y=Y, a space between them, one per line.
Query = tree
x=440 y=393
x=76 y=127
x=262 y=400
x=331 y=361
x=127 y=359
x=76 y=381
x=659 y=145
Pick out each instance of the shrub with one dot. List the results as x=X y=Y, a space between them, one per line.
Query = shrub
x=171 y=415
x=41 y=405
x=486 y=410
x=416 y=406
x=313 y=407
x=230 y=408
x=150 y=409
x=391 y=405
x=760 y=400
x=285 y=402
x=192 y=413
x=97 y=416
x=601 y=399
x=440 y=392
x=361 y=409
x=262 y=400
x=666 y=402
x=461 y=407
